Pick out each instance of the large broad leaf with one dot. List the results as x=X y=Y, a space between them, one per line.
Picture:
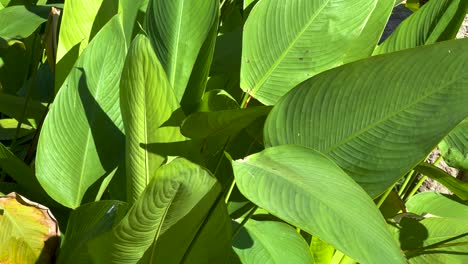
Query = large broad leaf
x=81 y=139
x=433 y=239
x=379 y=127
x=454 y=148
x=143 y=86
x=365 y=44
x=29 y=232
x=86 y=223
x=287 y=42
x=81 y=20
x=19 y=22
x=129 y=11
x=270 y=242
x=458 y=187
x=435 y=21
x=177 y=30
x=226 y=122
x=437 y=204
x=306 y=189
x=163 y=222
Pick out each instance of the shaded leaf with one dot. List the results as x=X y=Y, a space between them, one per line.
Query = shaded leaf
x=19 y=22
x=13 y=106
x=8 y=129
x=437 y=204
x=81 y=139
x=454 y=147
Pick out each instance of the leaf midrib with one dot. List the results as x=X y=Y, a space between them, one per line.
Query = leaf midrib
x=388 y=117
x=286 y=51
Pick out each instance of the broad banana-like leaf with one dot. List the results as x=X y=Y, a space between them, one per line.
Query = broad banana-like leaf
x=437 y=204
x=377 y=127
x=435 y=21
x=81 y=20
x=84 y=224
x=19 y=22
x=270 y=242
x=82 y=138
x=326 y=202
x=164 y=221
x=367 y=41
x=287 y=42
x=458 y=187
x=128 y=9
x=433 y=239
x=147 y=102
x=454 y=148
x=178 y=29
x=225 y=122
x=29 y=232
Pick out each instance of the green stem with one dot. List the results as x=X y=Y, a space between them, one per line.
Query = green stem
x=384 y=196
x=408 y=182
x=416 y=188
x=246 y=218
x=245 y=100
x=228 y=195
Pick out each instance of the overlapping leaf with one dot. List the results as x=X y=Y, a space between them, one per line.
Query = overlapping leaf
x=437 y=204
x=326 y=202
x=147 y=102
x=19 y=22
x=81 y=139
x=164 y=221
x=458 y=187
x=435 y=21
x=454 y=148
x=287 y=42
x=377 y=128
x=178 y=29
x=270 y=242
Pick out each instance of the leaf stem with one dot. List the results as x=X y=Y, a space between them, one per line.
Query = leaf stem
x=246 y=218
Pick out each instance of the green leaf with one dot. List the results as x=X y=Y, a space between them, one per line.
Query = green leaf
x=270 y=242
x=177 y=30
x=435 y=21
x=19 y=22
x=367 y=41
x=143 y=86
x=128 y=10
x=372 y=127
x=8 y=129
x=82 y=138
x=217 y=100
x=29 y=233
x=454 y=148
x=227 y=53
x=458 y=187
x=85 y=223
x=321 y=251
x=433 y=239
x=14 y=106
x=226 y=122
x=327 y=202
x=81 y=20
x=287 y=42
x=437 y=204
x=162 y=223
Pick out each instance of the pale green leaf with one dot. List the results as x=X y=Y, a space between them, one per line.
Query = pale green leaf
x=270 y=242
x=437 y=204
x=308 y=190
x=82 y=138
x=454 y=148
x=163 y=222
x=177 y=30
x=287 y=42
x=379 y=127
x=435 y=21
x=458 y=187
x=143 y=86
